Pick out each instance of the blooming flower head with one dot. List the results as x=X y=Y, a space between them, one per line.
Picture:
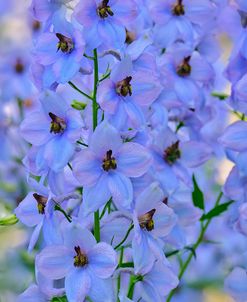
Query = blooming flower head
x=81 y=261
x=105 y=168
x=104 y=21
x=54 y=129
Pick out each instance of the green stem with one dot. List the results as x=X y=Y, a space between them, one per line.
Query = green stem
x=125 y=237
x=95 y=122
x=119 y=276
x=79 y=90
x=131 y=287
x=198 y=242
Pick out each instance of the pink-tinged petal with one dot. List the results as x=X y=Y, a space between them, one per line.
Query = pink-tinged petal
x=234 y=186
x=148 y=291
x=164 y=221
x=201 y=70
x=142 y=256
x=32 y=293
x=167 y=179
x=36 y=128
x=195 y=153
x=77 y=285
x=95 y=196
x=55 y=261
x=235 y=136
x=86 y=13
x=52 y=102
x=124 y=12
x=102 y=260
x=133 y=160
x=35 y=236
x=149 y=198
x=102 y=289
x=76 y=235
x=134 y=113
x=87 y=168
x=105 y=138
x=121 y=190
x=46 y=49
x=27 y=211
x=58 y=152
x=163 y=278
x=236 y=284
x=112 y=34
x=107 y=96
x=122 y=70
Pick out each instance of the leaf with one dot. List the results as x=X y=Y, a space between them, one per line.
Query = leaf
x=197 y=195
x=217 y=210
x=9 y=220
x=59 y=299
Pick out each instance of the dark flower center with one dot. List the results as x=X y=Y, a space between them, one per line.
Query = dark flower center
x=109 y=162
x=65 y=44
x=104 y=10
x=184 y=69
x=80 y=259
x=58 y=125
x=172 y=153
x=41 y=202
x=146 y=220
x=130 y=36
x=19 y=67
x=124 y=87
x=36 y=25
x=178 y=8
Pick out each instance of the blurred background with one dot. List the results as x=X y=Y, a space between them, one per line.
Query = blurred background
x=204 y=281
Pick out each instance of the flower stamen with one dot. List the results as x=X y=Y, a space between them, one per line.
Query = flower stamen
x=65 y=44
x=146 y=220
x=104 y=10
x=172 y=153
x=80 y=259
x=41 y=202
x=109 y=162
x=124 y=87
x=58 y=125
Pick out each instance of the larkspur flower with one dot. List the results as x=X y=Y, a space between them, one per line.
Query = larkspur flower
x=105 y=168
x=84 y=263
x=104 y=21
x=54 y=129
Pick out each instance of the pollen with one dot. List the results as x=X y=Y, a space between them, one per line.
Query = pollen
x=65 y=44
x=104 y=10
x=184 y=69
x=109 y=162
x=80 y=259
x=41 y=202
x=146 y=220
x=178 y=8
x=124 y=87
x=58 y=124
x=172 y=153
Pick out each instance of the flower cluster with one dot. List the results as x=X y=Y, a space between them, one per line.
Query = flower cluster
x=125 y=117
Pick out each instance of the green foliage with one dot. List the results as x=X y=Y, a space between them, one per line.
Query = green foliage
x=197 y=195
x=216 y=211
x=8 y=220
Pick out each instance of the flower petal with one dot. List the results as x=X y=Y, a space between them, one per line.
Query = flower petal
x=77 y=285
x=95 y=196
x=87 y=168
x=133 y=160
x=235 y=136
x=121 y=190
x=102 y=260
x=55 y=261
x=105 y=138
